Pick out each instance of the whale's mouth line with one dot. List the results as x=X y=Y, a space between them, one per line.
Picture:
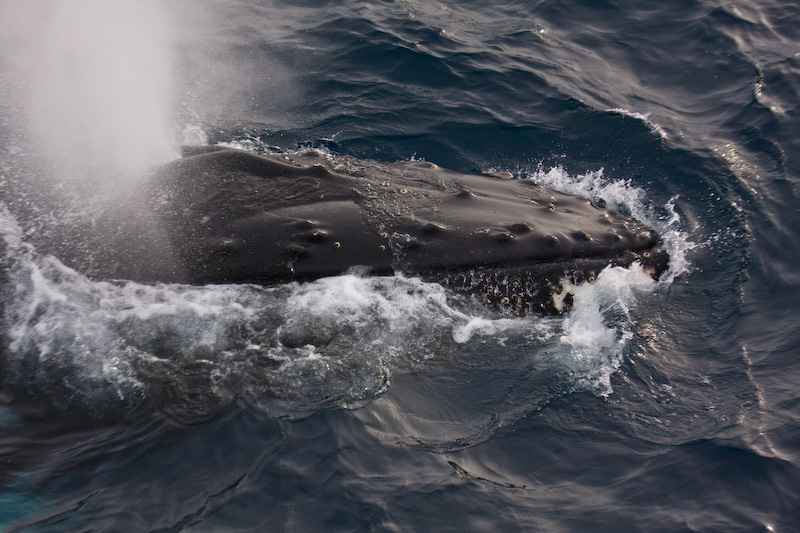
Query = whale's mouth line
x=543 y=287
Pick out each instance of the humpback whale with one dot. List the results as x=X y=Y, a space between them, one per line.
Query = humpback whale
x=222 y=215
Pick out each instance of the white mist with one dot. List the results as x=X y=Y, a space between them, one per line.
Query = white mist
x=90 y=84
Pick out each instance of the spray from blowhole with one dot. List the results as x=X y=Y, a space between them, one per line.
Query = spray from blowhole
x=88 y=89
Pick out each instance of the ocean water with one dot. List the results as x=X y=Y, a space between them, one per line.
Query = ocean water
x=651 y=406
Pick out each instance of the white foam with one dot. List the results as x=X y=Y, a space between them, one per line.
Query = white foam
x=97 y=345
x=336 y=340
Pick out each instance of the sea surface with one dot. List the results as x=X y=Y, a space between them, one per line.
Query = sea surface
x=651 y=406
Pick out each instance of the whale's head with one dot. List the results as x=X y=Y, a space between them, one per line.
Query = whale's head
x=232 y=216
x=220 y=215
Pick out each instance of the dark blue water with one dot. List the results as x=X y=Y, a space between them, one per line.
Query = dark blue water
x=651 y=407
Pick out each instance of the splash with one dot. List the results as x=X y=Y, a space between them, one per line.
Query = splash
x=337 y=341
x=625 y=197
x=601 y=324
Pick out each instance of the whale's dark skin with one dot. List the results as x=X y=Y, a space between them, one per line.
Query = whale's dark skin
x=220 y=215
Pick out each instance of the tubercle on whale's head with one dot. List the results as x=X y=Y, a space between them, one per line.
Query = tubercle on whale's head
x=654 y=261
